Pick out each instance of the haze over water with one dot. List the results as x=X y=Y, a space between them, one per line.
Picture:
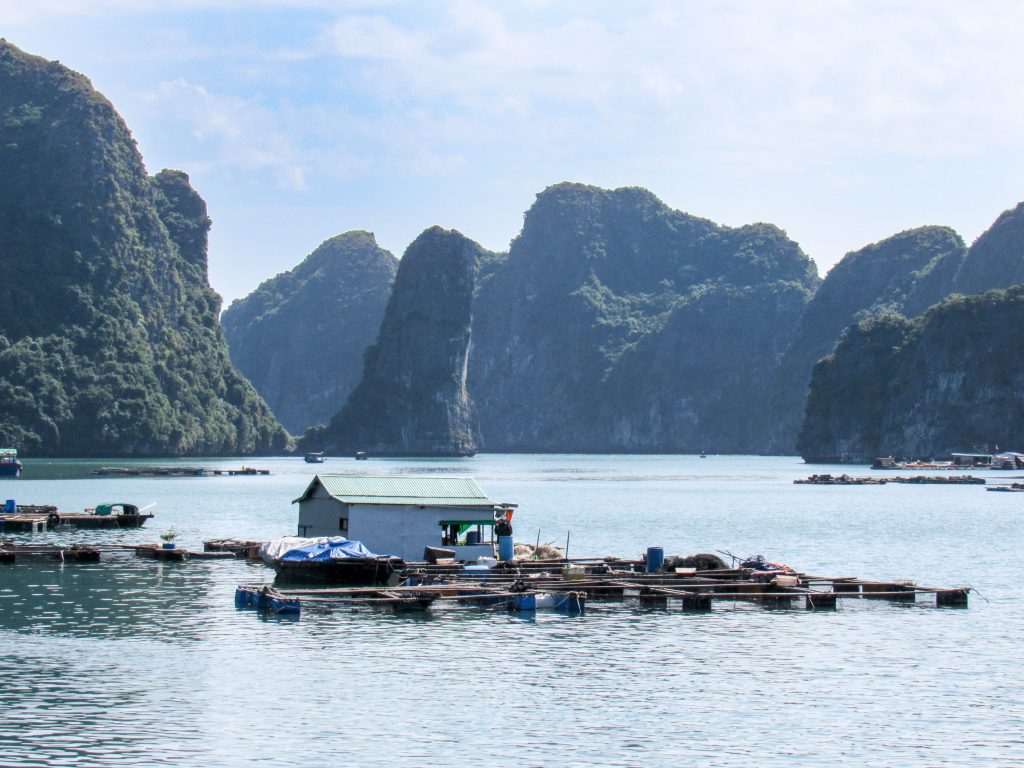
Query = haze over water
x=132 y=662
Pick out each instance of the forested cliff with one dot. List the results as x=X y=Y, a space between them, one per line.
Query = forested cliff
x=613 y=323
x=905 y=273
x=412 y=398
x=617 y=323
x=109 y=339
x=300 y=336
x=950 y=379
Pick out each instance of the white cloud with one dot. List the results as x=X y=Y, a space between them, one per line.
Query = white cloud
x=225 y=133
x=794 y=111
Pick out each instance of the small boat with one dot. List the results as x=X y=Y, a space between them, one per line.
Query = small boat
x=314 y=458
x=9 y=464
x=35 y=518
x=337 y=561
x=360 y=455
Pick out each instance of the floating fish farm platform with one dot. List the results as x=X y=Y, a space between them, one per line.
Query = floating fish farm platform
x=178 y=471
x=827 y=479
x=12 y=554
x=570 y=585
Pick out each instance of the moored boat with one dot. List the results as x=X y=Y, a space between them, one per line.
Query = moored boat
x=9 y=464
x=337 y=561
x=34 y=518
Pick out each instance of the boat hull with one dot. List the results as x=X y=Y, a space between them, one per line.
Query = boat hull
x=353 y=571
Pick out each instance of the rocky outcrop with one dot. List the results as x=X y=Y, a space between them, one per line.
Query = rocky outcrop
x=412 y=398
x=996 y=259
x=951 y=379
x=300 y=336
x=109 y=339
x=906 y=274
x=616 y=323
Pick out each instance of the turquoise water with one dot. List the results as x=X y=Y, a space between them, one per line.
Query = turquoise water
x=132 y=662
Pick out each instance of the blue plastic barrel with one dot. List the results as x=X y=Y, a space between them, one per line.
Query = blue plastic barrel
x=472 y=537
x=506 y=549
x=655 y=559
x=11 y=507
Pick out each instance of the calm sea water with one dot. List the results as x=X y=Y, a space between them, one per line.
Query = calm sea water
x=132 y=662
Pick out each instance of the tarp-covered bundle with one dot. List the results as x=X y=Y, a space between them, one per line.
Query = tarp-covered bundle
x=324 y=550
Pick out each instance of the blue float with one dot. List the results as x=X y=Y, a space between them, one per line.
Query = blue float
x=655 y=559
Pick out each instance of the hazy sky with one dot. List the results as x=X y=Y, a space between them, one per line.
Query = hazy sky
x=841 y=122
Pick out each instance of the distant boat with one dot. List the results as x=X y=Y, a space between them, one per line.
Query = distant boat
x=314 y=458
x=360 y=455
x=9 y=464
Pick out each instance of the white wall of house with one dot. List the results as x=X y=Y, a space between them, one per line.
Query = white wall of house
x=405 y=530
x=322 y=515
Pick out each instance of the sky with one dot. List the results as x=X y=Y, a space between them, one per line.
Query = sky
x=841 y=122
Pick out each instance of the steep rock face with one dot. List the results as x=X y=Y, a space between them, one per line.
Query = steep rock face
x=949 y=380
x=616 y=323
x=906 y=273
x=412 y=398
x=300 y=337
x=109 y=339
x=996 y=259
x=849 y=389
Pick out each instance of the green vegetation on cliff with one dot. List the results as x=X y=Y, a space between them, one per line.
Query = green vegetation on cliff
x=300 y=336
x=109 y=338
x=617 y=323
x=950 y=379
x=905 y=273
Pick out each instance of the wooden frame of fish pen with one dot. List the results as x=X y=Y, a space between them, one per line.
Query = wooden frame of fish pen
x=693 y=592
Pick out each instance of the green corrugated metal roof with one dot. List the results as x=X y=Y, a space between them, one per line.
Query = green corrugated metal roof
x=402 y=489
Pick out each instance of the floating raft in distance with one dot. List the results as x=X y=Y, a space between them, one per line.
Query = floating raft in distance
x=143 y=471
x=1011 y=488
x=914 y=480
x=181 y=555
x=11 y=553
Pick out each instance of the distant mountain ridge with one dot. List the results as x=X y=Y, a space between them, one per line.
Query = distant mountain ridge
x=109 y=339
x=299 y=337
x=613 y=323
x=617 y=324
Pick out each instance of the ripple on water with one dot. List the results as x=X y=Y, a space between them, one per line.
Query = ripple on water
x=132 y=662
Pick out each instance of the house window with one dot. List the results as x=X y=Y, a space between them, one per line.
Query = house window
x=343 y=524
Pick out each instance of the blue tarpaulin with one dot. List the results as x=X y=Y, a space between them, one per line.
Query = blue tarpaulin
x=334 y=549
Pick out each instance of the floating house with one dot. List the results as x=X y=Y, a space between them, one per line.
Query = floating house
x=403 y=516
x=971 y=459
x=1008 y=460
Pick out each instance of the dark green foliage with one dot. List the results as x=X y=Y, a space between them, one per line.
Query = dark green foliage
x=110 y=340
x=616 y=323
x=412 y=399
x=300 y=337
x=950 y=379
x=996 y=260
x=905 y=273
x=848 y=391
